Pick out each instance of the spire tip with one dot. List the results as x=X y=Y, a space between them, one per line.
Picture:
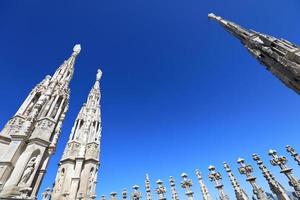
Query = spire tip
x=99 y=75
x=77 y=49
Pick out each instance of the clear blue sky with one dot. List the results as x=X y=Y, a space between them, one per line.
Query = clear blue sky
x=178 y=92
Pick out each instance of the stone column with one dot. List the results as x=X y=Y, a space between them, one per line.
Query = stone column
x=216 y=177
x=281 y=162
x=136 y=194
x=187 y=184
x=293 y=153
x=275 y=187
x=239 y=192
x=113 y=196
x=248 y=170
x=203 y=188
x=173 y=189
x=148 y=188
x=161 y=190
x=124 y=194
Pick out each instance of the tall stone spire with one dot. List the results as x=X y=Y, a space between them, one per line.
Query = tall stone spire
x=279 y=56
x=173 y=189
x=239 y=192
x=148 y=188
x=293 y=153
x=216 y=178
x=248 y=170
x=281 y=162
x=29 y=138
x=78 y=167
x=204 y=190
x=275 y=186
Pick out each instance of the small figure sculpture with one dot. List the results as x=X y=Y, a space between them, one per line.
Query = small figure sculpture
x=28 y=171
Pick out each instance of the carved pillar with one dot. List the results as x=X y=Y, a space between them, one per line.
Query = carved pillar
x=124 y=194
x=148 y=188
x=161 y=190
x=248 y=170
x=136 y=194
x=239 y=192
x=203 y=188
x=173 y=189
x=293 y=153
x=275 y=187
x=187 y=184
x=281 y=162
x=113 y=196
x=216 y=178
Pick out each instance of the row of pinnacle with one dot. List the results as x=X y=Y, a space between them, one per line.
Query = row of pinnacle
x=214 y=176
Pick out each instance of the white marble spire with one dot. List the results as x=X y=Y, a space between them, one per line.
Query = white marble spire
x=78 y=168
x=29 y=138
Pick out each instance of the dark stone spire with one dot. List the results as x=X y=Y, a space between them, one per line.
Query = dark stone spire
x=279 y=56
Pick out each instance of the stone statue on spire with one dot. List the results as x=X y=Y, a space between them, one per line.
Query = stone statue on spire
x=281 y=161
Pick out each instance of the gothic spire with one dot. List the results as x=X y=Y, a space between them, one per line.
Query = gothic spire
x=239 y=192
x=148 y=188
x=293 y=153
x=204 y=190
x=248 y=170
x=65 y=72
x=274 y=185
x=87 y=127
x=216 y=178
x=173 y=189
x=279 y=56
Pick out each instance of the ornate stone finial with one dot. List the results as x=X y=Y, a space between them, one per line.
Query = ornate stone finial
x=173 y=189
x=76 y=49
x=124 y=194
x=148 y=188
x=216 y=178
x=248 y=170
x=211 y=16
x=99 y=75
x=293 y=153
x=136 y=195
x=281 y=161
x=239 y=192
x=204 y=190
x=187 y=184
x=103 y=197
x=113 y=196
x=275 y=187
x=161 y=190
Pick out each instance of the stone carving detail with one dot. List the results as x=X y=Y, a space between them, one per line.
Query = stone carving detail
x=216 y=178
x=161 y=190
x=248 y=170
x=136 y=194
x=28 y=171
x=187 y=184
x=281 y=162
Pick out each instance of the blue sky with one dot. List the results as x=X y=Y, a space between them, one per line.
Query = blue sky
x=178 y=92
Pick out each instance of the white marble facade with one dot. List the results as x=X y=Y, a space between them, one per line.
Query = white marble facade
x=29 y=138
